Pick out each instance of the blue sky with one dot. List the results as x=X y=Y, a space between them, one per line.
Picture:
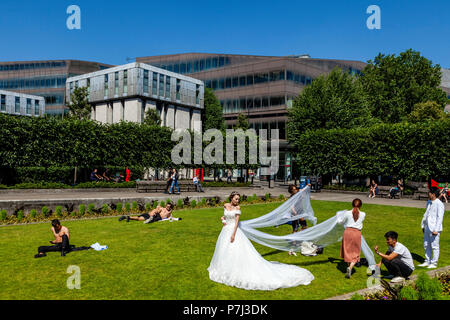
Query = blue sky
x=112 y=30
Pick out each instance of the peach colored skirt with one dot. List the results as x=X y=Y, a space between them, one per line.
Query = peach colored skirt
x=351 y=245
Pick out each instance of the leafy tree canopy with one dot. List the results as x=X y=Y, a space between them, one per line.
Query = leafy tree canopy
x=79 y=103
x=212 y=117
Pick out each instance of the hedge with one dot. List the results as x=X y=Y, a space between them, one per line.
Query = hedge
x=413 y=151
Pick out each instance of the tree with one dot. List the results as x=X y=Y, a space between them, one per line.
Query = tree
x=336 y=100
x=152 y=118
x=79 y=103
x=394 y=84
x=429 y=110
x=212 y=117
x=242 y=122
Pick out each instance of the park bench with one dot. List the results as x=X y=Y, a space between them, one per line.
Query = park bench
x=160 y=186
x=420 y=193
x=383 y=192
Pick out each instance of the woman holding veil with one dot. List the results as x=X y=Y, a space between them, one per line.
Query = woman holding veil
x=237 y=263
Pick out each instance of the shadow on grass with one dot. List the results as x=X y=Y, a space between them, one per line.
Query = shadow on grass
x=417 y=257
x=272 y=252
x=310 y=263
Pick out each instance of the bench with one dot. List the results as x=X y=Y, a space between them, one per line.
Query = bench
x=383 y=192
x=421 y=193
x=160 y=186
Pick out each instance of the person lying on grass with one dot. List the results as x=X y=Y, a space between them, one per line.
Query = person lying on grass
x=157 y=214
x=61 y=242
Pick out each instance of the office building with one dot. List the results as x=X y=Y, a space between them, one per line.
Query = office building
x=21 y=104
x=44 y=78
x=262 y=87
x=126 y=92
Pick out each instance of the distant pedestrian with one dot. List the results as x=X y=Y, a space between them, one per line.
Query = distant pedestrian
x=229 y=174
x=197 y=184
x=127 y=174
x=444 y=193
x=175 y=177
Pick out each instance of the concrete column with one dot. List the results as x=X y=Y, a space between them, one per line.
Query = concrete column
x=101 y=113
x=182 y=118
x=132 y=110
x=171 y=117
x=196 y=123
x=117 y=111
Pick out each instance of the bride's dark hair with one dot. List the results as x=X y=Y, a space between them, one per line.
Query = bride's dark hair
x=234 y=193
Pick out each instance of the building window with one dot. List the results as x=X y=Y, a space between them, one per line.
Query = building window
x=155 y=84
x=161 y=85
x=88 y=81
x=106 y=86
x=36 y=108
x=3 y=103
x=17 y=105
x=197 y=94
x=28 y=106
x=145 y=81
x=125 y=82
x=116 y=83
x=167 y=87
x=178 y=89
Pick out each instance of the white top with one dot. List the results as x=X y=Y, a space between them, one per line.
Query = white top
x=230 y=216
x=433 y=216
x=403 y=254
x=195 y=180
x=346 y=218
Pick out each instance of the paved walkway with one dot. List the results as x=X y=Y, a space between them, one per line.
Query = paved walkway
x=29 y=199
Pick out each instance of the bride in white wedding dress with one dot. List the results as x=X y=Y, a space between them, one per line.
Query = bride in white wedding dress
x=237 y=263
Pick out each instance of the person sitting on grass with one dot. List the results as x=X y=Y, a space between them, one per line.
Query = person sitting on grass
x=157 y=214
x=397 y=260
x=61 y=242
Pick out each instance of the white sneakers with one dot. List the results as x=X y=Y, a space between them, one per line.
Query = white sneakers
x=397 y=280
x=425 y=264
x=292 y=253
x=432 y=266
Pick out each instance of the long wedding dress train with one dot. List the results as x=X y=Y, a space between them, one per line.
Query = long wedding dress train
x=238 y=264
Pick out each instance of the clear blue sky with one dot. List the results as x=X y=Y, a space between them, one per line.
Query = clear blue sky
x=112 y=30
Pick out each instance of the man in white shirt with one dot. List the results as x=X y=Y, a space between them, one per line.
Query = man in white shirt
x=197 y=184
x=397 y=260
x=432 y=227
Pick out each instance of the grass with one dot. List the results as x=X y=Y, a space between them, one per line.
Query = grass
x=168 y=260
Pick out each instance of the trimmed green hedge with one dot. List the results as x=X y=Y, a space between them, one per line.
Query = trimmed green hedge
x=413 y=151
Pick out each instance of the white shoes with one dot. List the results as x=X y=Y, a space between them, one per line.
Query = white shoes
x=397 y=280
x=432 y=266
x=292 y=253
x=425 y=264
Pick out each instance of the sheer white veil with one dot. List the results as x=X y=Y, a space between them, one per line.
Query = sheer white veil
x=299 y=206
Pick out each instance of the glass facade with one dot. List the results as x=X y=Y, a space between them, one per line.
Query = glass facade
x=257 y=78
x=193 y=66
x=116 y=83
x=32 y=66
x=36 y=107
x=155 y=84
x=167 y=87
x=34 y=83
x=161 y=85
x=106 y=86
x=249 y=103
x=145 y=81
x=125 y=81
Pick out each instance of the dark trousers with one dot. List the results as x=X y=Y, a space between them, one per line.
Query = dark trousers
x=199 y=187
x=394 y=192
x=396 y=267
x=297 y=223
x=64 y=245
x=168 y=184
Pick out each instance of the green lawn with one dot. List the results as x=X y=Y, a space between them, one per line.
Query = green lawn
x=168 y=260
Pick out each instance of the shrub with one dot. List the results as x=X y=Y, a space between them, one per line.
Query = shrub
x=357 y=296
x=281 y=197
x=45 y=211
x=267 y=196
x=105 y=209
x=193 y=203
x=429 y=289
x=180 y=203
x=73 y=214
x=82 y=210
x=58 y=211
x=127 y=207
x=91 y=208
x=20 y=215
x=148 y=206
x=119 y=207
x=203 y=202
x=3 y=215
x=33 y=213
x=134 y=206
x=162 y=204
x=408 y=293
x=227 y=200
x=155 y=204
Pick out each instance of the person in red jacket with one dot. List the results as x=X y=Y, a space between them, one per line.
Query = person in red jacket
x=127 y=174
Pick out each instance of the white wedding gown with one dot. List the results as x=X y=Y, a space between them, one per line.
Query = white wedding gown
x=238 y=264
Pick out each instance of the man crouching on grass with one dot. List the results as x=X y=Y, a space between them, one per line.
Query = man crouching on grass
x=61 y=242
x=157 y=214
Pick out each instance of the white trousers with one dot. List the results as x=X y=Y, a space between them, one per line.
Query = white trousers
x=431 y=245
